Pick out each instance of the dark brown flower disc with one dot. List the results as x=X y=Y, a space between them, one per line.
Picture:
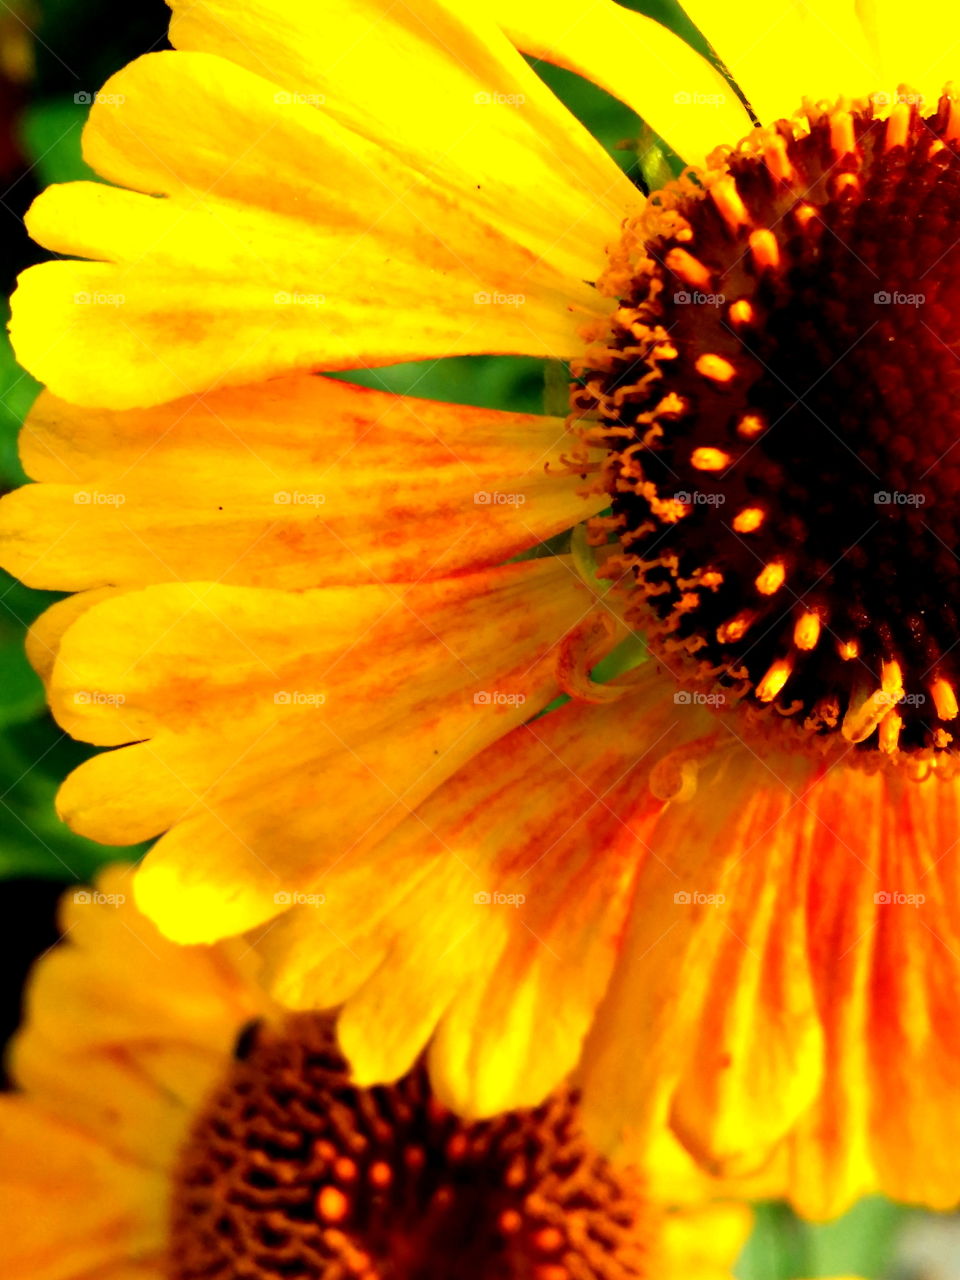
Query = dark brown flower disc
x=291 y=1171
x=779 y=394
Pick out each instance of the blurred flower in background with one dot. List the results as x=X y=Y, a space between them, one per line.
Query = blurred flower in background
x=175 y=1124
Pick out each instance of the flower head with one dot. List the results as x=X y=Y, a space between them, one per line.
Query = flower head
x=174 y=1124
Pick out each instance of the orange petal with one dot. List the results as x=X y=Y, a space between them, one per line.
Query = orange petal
x=808 y=978
x=71 y=1208
x=501 y=937
x=885 y=949
x=712 y=988
x=346 y=706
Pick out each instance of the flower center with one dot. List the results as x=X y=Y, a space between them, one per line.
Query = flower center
x=779 y=395
x=290 y=1171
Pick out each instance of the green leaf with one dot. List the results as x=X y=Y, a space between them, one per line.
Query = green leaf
x=786 y=1247
x=34 y=757
x=50 y=134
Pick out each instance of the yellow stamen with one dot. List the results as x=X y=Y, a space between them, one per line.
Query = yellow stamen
x=891 y=679
x=777 y=161
x=771 y=578
x=841 y=134
x=707 y=459
x=864 y=714
x=741 y=313
x=750 y=426
x=944 y=698
x=890 y=727
x=766 y=251
x=898 y=126
x=731 y=207
x=777 y=676
x=736 y=628
x=806 y=633
x=804 y=213
x=748 y=520
x=715 y=368
x=690 y=269
x=846 y=182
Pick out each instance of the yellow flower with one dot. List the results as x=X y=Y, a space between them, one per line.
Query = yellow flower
x=724 y=881
x=173 y=1123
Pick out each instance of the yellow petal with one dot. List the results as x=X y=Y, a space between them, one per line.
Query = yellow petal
x=678 y=93
x=915 y=45
x=292 y=483
x=780 y=52
x=253 y=264
x=438 y=85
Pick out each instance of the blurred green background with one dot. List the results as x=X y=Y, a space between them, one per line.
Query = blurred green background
x=53 y=55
